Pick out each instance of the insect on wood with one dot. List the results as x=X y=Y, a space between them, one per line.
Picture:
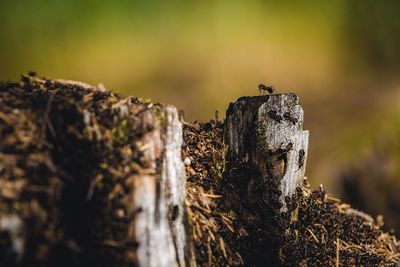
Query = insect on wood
x=302 y=153
x=282 y=151
x=287 y=116
x=264 y=88
x=275 y=116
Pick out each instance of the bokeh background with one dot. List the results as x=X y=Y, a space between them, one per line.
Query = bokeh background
x=341 y=57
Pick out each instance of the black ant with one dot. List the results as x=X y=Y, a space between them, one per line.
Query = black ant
x=31 y=73
x=174 y=212
x=263 y=88
x=302 y=153
x=273 y=115
x=282 y=152
x=290 y=118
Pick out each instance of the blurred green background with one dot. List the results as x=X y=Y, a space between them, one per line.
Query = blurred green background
x=341 y=57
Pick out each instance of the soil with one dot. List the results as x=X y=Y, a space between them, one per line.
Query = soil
x=321 y=230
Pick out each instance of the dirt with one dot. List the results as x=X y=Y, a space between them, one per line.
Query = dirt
x=212 y=227
x=327 y=232
x=318 y=230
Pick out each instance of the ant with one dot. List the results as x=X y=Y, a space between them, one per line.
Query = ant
x=174 y=212
x=273 y=115
x=302 y=153
x=263 y=88
x=290 y=118
x=282 y=152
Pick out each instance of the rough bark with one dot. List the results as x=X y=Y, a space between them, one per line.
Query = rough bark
x=159 y=226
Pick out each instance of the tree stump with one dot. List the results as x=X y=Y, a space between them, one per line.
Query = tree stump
x=159 y=226
x=88 y=178
x=267 y=152
x=266 y=134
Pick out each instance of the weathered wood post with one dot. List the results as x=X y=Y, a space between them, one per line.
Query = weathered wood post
x=159 y=227
x=267 y=152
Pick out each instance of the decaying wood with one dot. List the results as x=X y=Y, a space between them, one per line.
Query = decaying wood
x=264 y=167
x=159 y=226
x=258 y=132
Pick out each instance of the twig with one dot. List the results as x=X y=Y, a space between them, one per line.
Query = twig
x=46 y=115
x=337 y=251
x=313 y=235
